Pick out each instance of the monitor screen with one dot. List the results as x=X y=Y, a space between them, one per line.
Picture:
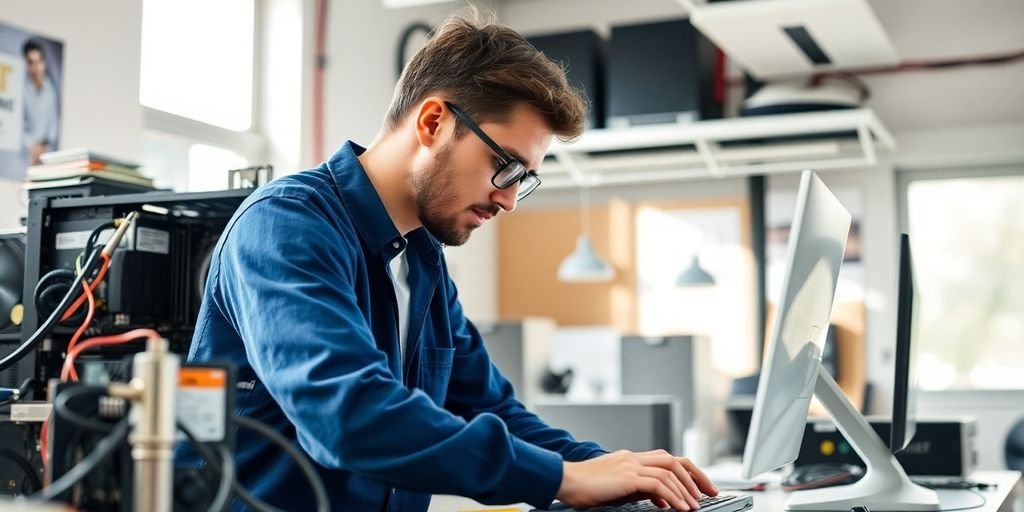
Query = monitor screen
x=790 y=369
x=905 y=385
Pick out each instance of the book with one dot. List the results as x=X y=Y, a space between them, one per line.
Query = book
x=75 y=176
x=47 y=171
x=80 y=154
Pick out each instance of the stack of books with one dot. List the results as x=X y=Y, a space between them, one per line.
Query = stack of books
x=78 y=166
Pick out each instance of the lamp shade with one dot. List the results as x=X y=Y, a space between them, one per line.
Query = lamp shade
x=584 y=265
x=695 y=276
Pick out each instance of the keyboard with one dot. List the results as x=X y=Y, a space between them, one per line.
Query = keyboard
x=720 y=503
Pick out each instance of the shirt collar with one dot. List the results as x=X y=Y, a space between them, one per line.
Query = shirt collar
x=368 y=214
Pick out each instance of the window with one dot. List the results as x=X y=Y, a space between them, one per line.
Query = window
x=197 y=87
x=197 y=60
x=967 y=235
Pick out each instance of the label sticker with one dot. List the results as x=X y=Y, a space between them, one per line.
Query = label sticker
x=202 y=406
x=152 y=240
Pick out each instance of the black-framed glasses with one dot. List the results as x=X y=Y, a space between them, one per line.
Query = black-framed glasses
x=510 y=170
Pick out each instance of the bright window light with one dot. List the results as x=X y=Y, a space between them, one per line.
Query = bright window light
x=197 y=60
x=208 y=167
x=966 y=236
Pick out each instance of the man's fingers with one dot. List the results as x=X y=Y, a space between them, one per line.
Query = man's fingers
x=699 y=477
x=662 y=459
x=666 y=477
x=660 y=503
x=657 y=489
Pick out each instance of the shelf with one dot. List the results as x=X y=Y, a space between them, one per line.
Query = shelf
x=840 y=139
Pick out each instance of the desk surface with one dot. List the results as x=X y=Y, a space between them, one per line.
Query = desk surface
x=1005 y=496
x=1001 y=498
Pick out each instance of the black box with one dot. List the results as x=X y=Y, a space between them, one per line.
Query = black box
x=661 y=72
x=582 y=54
x=939 y=448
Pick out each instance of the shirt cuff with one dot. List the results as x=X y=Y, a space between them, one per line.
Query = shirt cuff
x=535 y=477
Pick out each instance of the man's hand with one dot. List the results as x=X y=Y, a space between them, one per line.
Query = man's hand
x=628 y=476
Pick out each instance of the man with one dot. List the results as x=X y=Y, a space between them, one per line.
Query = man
x=41 y=125
x=330 y=292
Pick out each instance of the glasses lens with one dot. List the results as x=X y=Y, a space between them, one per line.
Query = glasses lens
x=529 y=184
x=509 y=175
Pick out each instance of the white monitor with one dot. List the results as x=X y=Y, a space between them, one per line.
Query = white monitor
x=792 y=372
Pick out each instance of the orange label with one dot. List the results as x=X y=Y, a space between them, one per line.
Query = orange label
x=202 y=377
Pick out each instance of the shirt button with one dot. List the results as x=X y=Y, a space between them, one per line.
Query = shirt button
x=396 y=245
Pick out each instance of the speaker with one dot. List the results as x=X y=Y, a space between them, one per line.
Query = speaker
x=582 y=54
x=12 y=278
x=661 y=72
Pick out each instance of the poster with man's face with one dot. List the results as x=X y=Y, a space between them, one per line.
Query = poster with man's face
x=31 y=74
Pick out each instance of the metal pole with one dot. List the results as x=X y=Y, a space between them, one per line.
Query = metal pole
x=156 y=376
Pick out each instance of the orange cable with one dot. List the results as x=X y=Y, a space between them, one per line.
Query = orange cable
x=92 y=286
x=100 y=341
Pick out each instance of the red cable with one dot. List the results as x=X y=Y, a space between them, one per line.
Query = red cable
x=44 y=431
x=92 y=287
x=115 y=339
x=69 y=371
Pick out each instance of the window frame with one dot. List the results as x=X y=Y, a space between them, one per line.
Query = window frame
x=950 y=171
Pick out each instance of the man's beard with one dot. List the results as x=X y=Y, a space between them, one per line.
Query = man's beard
x=435 y=193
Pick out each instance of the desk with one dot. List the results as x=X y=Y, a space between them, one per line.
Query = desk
x=1005 y=497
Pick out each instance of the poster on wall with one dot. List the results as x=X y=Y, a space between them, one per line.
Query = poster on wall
x=31 y=75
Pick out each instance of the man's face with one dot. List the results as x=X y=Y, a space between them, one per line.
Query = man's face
x=36 y=65
x=454 y=194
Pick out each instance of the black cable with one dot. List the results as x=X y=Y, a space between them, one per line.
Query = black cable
x=227 y=479
x=25 y=466
x=211 y=459
x=51 y=289
x=69 y=298
x=26 y=388
x=60 y=407
x=95 y=235
x=403 y=40
x=319 y=492
x=105 y=447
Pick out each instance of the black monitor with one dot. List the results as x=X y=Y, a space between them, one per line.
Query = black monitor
x=905 y=386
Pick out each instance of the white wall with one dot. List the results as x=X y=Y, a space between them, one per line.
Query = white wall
x=362 y=41
x=100 y=107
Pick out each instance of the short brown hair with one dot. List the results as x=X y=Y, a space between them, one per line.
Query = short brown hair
x=486 y=69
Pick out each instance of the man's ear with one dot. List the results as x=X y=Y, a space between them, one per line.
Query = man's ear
x=434 y=122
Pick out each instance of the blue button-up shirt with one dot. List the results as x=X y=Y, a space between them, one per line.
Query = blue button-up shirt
x=300 y=299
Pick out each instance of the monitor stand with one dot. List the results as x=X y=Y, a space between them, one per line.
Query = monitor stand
x=884 y=486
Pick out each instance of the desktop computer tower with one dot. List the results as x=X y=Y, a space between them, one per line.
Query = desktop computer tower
x=582 y=54
x=156 y=278
x=663 y=72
